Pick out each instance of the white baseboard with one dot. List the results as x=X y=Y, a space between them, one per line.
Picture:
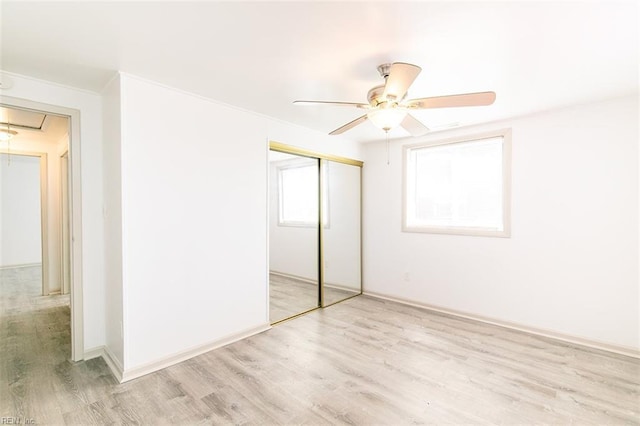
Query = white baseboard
x=618 y=349
x=134 y=373
x=21 y=265
x=93 y=353
x=341 y=287
x=314 y=282
x=112 y=362
x=295 y=277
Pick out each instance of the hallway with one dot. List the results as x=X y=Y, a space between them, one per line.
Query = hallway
x=35 y=350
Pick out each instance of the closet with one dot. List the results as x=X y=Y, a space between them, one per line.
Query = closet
x=315 y=255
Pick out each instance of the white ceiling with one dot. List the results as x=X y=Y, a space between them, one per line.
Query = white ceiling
x=261 y=56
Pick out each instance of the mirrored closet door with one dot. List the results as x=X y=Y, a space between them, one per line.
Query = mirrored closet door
x=293 y=235
x=341 y=234
x=314 y=220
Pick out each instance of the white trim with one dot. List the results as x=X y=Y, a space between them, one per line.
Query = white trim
x=114 y=365
x=295 y=277
x=267 y=217
x=342 y=287
x=93 y=353
x=111 y=361
x=44 y=223
x=310 y=281
x=566 y=338
x=178 y=357
x=65 y=231
x=75 y=212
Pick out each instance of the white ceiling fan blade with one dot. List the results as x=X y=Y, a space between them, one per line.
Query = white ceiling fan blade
x=464 y=100
x=355 y=104
x=413 y=126
x=349 y=125
x=401 y=76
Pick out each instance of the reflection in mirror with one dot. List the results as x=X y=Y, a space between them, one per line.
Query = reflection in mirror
x=293 y=235
x=341 y=234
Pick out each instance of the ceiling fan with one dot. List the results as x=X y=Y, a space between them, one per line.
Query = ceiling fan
x=388 y=108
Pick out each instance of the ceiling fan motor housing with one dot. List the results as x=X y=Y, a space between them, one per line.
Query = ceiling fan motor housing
x=375 y=95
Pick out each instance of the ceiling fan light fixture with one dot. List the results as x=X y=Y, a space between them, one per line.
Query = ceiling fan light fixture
x=387 y=118
x=388 y=107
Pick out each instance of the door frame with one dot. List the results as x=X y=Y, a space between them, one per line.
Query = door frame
x=65 y=234
x=75 y=212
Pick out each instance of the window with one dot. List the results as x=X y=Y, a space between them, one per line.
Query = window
x=298 y=194
x=459 y=186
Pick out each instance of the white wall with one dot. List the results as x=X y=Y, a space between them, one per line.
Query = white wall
x=194 y=219
x=89 y=105
x=113 y=220
x=571 y=264
x=21 y=229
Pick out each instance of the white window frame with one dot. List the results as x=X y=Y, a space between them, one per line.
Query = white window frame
x=505 y=134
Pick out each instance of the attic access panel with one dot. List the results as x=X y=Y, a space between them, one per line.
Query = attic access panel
x=21 y=118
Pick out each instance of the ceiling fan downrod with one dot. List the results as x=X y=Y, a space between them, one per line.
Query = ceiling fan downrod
x=384 y=70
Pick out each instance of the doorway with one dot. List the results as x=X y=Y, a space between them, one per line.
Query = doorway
x=52 y=134
x=34 y=322
x=21 y=212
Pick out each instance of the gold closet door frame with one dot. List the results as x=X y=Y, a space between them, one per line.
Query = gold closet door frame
x=289 y=149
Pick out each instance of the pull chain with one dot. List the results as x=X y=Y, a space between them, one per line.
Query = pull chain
x=387 y=132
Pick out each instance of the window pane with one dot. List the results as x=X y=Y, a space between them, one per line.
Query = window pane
x=299 y=195
x=457 y=185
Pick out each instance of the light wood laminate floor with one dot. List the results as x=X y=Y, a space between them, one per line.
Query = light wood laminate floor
x=364 y=361
x=289 y=296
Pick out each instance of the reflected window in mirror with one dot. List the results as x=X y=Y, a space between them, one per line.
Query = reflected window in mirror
x=297 y=205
